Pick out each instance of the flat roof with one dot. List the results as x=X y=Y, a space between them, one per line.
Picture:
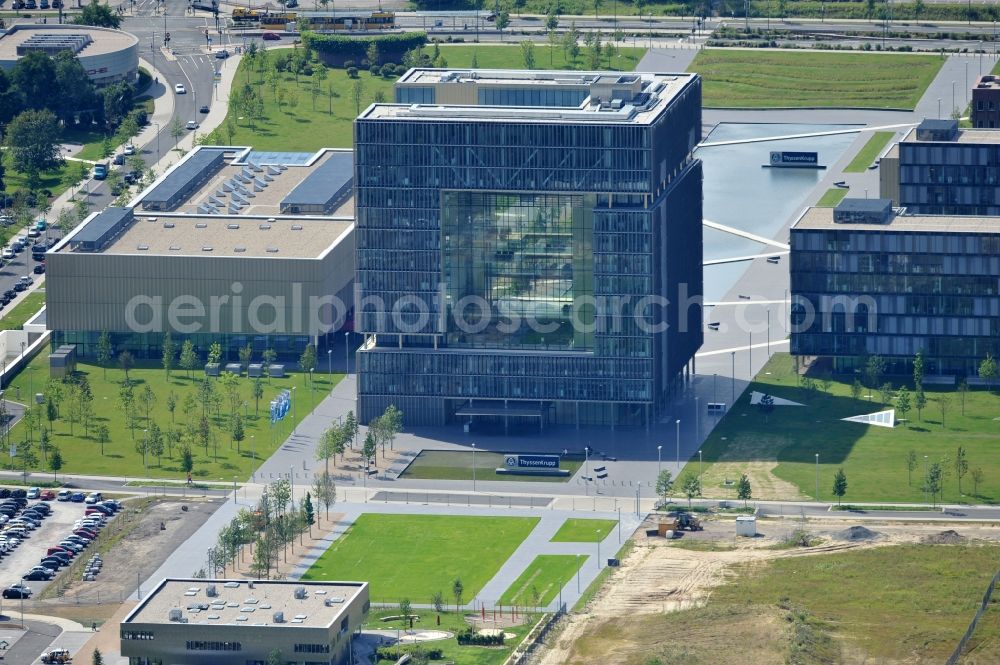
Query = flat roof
x=218 y=235
x=324 y=182
x=821 y=219
x=322 y=605
x=989 y=136
x=864 y=205
x=987 y=81
x=105 y=41
x=279 y=176
x=656 y=93
x=177 y=179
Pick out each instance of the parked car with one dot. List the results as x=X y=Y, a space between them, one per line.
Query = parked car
x=34 y=233
x=37 y=575
x=4 y=492
x=270 y=36
x=27 y=281
x=129 y=149
x=93 y=498
x=77 y=497
x=64 y=495
x=8 y=253
x=52 y=562
x=47 y=495
x=16 y=592
x=119 y=159
x=40 y=270
x=18 y=287
x=203 y=109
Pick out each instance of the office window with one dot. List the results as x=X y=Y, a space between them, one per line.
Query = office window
x=312 y=648
x=213 y=645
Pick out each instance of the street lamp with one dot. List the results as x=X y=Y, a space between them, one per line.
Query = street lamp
x=234 y=489
x=157 y=125
x=658 y=461
x=699 y=464
x=347 y=345
x=939 y=108
x=677 y=458
x=329 y=363
x=733 y=401
x=473 y=467
x=954 y=106
x=817 y=476
x=925 y=478
x=145 y=447
x=291 y=484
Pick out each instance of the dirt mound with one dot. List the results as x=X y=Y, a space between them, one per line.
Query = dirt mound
x=949 y=537
x=855 y=533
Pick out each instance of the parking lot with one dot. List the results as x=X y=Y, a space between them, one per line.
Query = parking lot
x=32 y=549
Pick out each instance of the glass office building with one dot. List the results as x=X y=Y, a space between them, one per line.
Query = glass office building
x=528 y=247
x=894 y=285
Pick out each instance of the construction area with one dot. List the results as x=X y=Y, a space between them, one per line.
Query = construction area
x=816 y=591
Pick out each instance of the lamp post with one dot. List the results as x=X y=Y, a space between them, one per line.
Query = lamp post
x=253 y=449
x=659 y=461
x=586 y=469
x=329 y=363
x=473 y=467
x=939 y=108
x=699 y=464
x=817 y=476
x=234 y=489
x=291 y=484
x=312 y=386
x=145 y=447
x=295 y=424
x=733 y=354
x=347 y=345
x=925 y=478
x=677 y=458
x=157 y=125
x=953 y=104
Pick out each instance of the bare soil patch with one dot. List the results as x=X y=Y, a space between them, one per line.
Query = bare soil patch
x=752 y=455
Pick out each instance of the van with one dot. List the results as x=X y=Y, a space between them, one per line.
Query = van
x=100 y=171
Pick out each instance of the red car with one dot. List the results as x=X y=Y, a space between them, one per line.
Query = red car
x=48 y=495
x=270 y=36
x=85 y=533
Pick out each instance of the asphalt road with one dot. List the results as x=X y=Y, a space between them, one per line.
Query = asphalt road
x=29 y=646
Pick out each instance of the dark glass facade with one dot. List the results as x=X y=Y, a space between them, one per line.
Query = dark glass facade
x=865 y=291
x=570 y=224
x=949 y=178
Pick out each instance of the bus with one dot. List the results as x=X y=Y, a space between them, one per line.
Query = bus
x=350 y=21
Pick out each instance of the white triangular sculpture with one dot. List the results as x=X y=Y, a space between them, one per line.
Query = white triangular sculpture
x=755 y=398
x=879 y=419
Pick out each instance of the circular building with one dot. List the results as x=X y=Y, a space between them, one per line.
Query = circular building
x=107 y=55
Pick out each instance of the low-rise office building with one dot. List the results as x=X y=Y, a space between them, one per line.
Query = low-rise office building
x=867 y=279
x=212 y=258
x=108 y=56
x=985 y=108
x=242 y=622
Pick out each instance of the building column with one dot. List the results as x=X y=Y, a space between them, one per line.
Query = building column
x=506 y=419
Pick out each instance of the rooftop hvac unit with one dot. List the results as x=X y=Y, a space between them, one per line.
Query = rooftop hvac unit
x=174 y=615
x=279 y=617
x=300 y=592
x=210 y=591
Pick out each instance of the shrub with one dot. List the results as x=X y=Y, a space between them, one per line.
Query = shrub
x=388 y=70
x=375 y=70
x=365 y=64
x=348 y=64
x=469 y=637
x=352 y=72
x=334 y=49
x=395 y=653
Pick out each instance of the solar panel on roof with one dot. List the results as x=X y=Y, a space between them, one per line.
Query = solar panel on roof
x=182 y=180
x=325 y=184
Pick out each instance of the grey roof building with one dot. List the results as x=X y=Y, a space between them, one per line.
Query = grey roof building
x=529 y=246
x=237 y=622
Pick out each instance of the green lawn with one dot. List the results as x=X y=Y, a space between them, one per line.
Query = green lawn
x=832 y=197
x=304 y=123
x=53 y=181
x=457 y=465
x=871 y=150
x=894 y=604
x=577 y=530
x=455 y=623
x=873 y=458
x=761 y=79
x=545 y=576
x=82 y=453
x=14 y=318
x=415 y=556
x=512 y=57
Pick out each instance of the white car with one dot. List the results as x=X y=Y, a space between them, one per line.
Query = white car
x=8 y=254
x=34 y=492
x=180 y=89
x=191 y=124
x=129 y=149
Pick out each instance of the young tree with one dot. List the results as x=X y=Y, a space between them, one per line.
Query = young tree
x=911 y=466
x=437 y=600
x=988 y=369
x=369 y=448
x=840 y=485
x=187 y=460
x=920 y=401
x=169 y=351
x=148 y=399
x=246 y=355
x=105 y=352
x=351 y=427
x=269 y=356
x=357 y=94
x=502 y=21
x=691 y=488
x=176 y=129
x=55 y=463
x=257 y=389
x=766 y=406
x=528 y=53
x=874 y=369
x=308 y=512
x=933 y=481
x=918 y=370
x=188 y=359
x=99 y=15
x=171 y=404
x=126 y=361
x=903 y=402
x=390 y=422
x=664 y=485
x=238 y=432
x=856 y=389
x=977 y=477
x=743 y=490
x=307 y=361
x=103 y=436
x=457 y=589
x=944 y=405
x=886 y=393
x=404 y=610
x=325 y=490
x=963 y=388
x=215 y=353
x=155 y=444
x=97 y=658
x=961 y=466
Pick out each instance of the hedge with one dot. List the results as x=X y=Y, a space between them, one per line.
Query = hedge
x=395 y=653
x=470 y=637
x=338 y=49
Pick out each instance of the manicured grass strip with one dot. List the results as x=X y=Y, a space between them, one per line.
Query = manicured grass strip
x=512 y=57
x=83 y=453
x=457 y=465
x=832 y=197
x=545 y=576
x=871 y=150
x=769 y=79
x=415 y=556
x=576 y=530
x=24 y=310
x=873 y=458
